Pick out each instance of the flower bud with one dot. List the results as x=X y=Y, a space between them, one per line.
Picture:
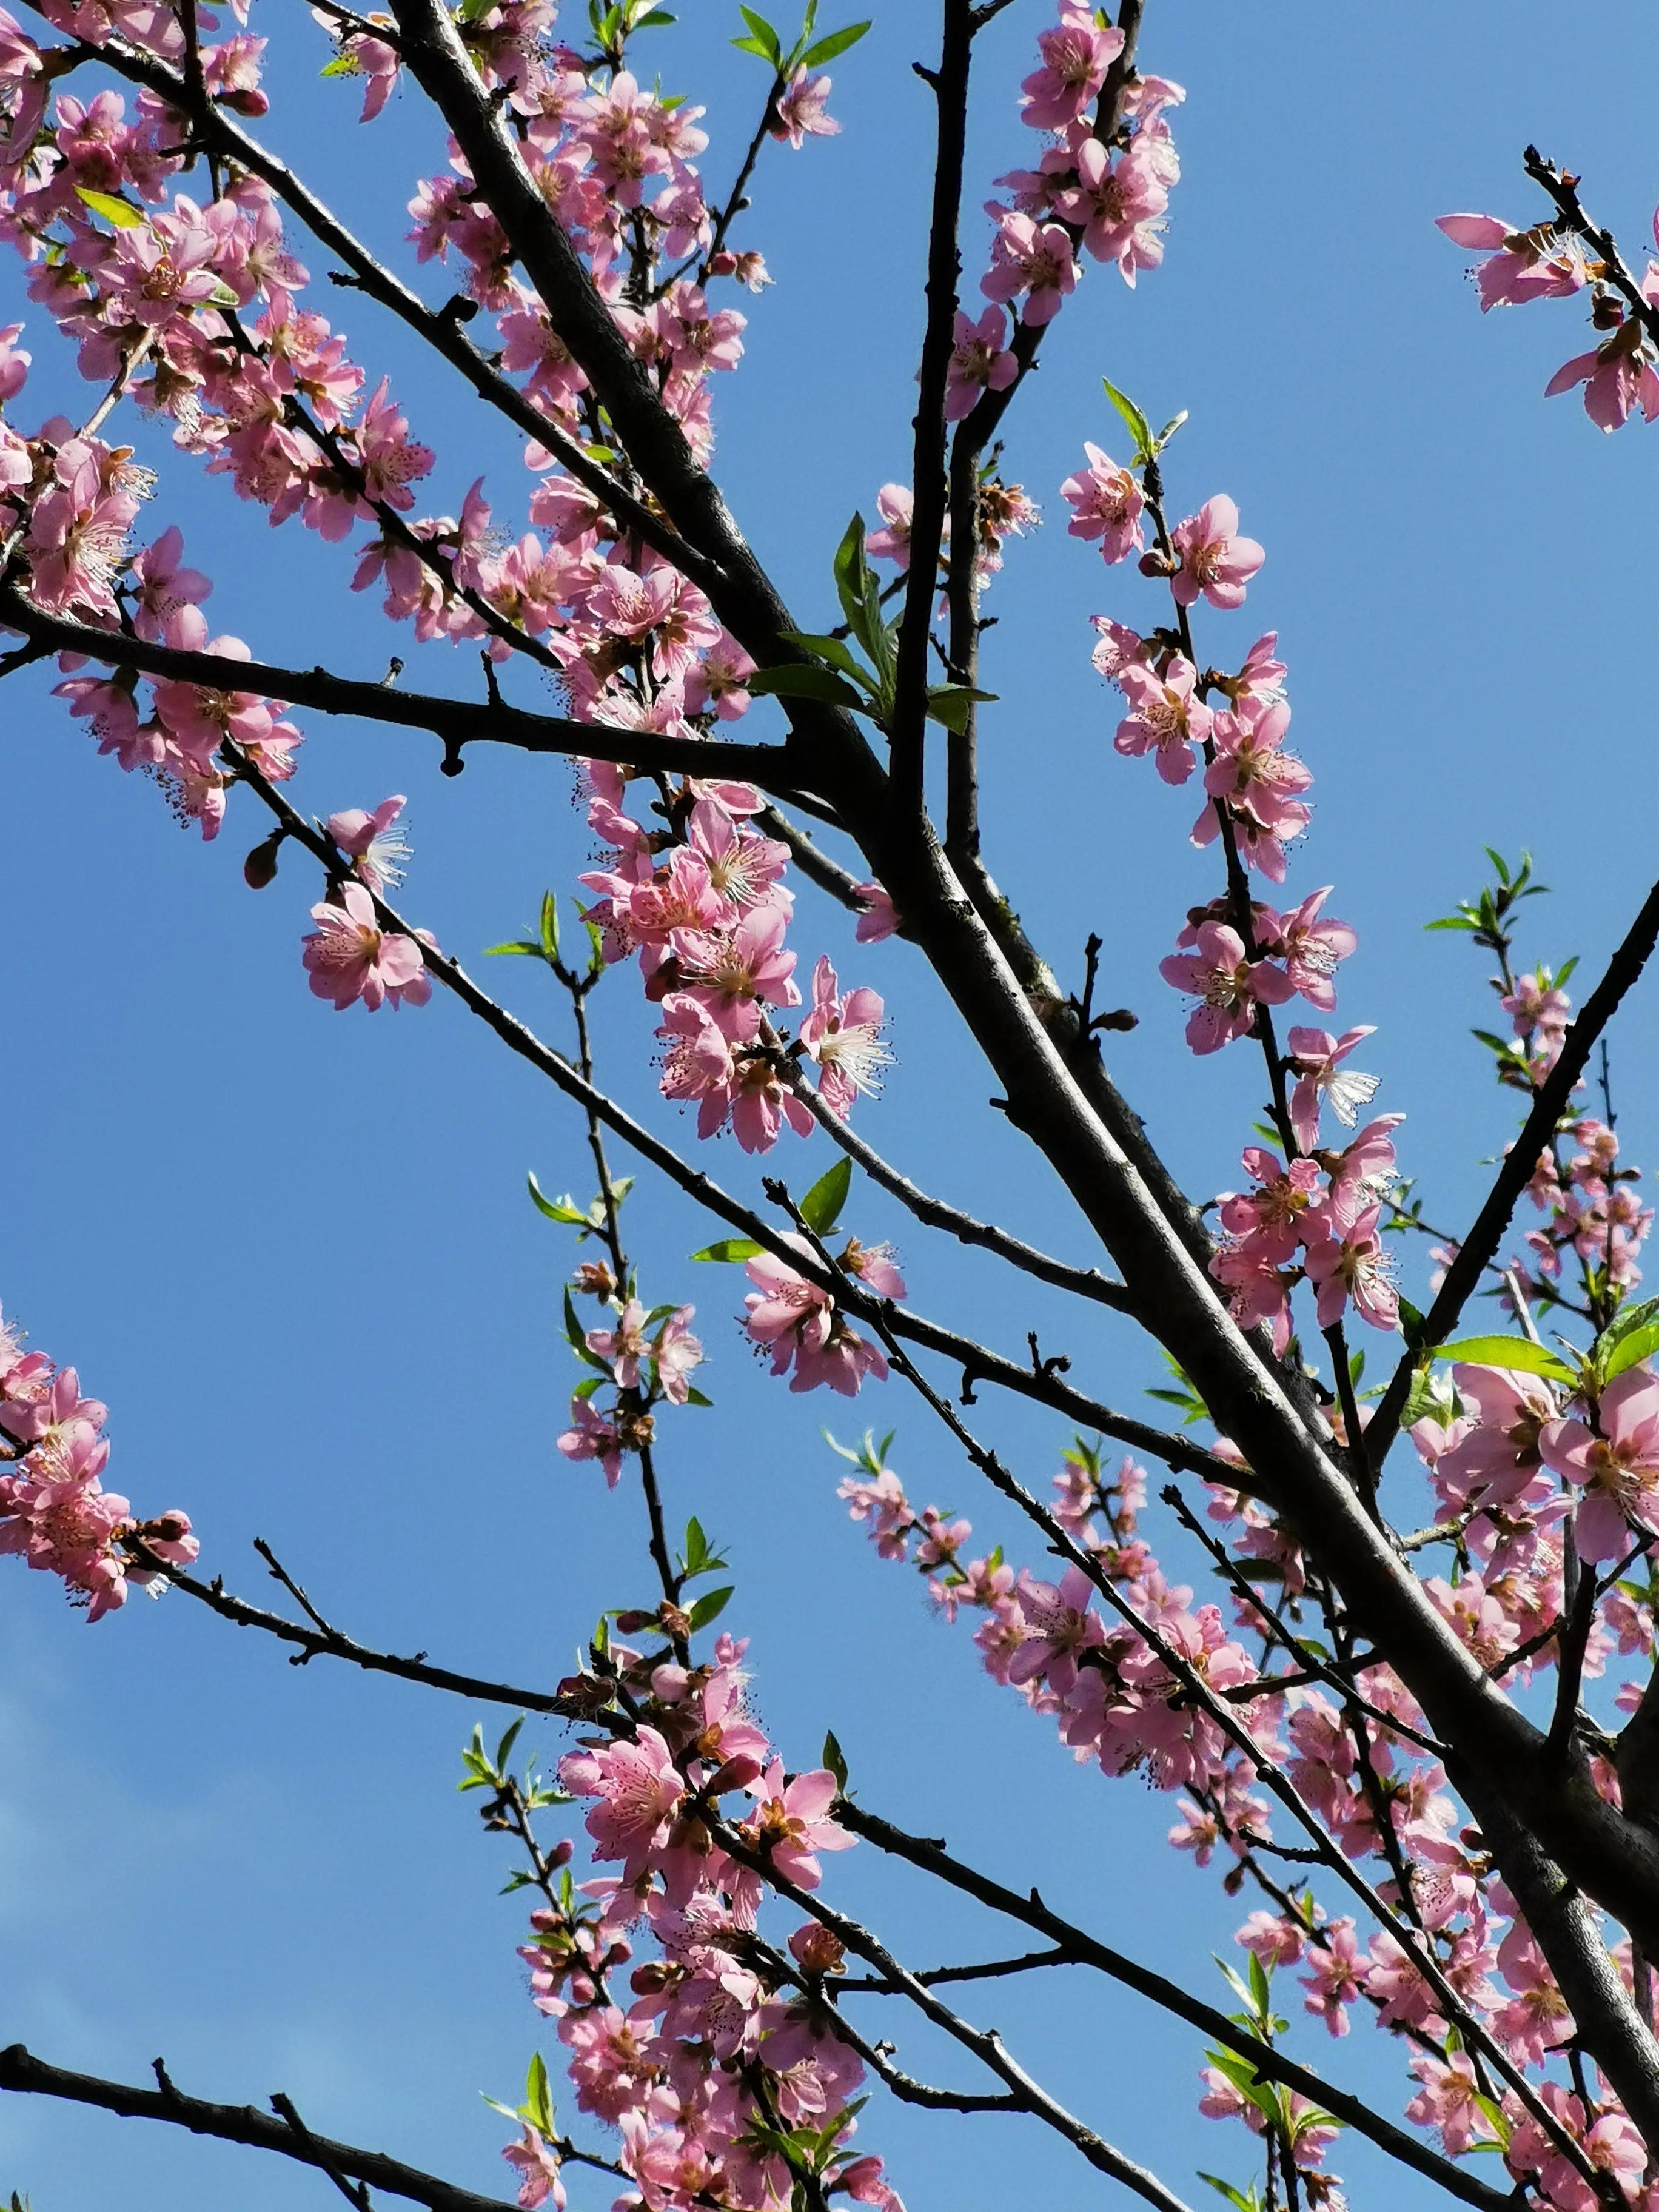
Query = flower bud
x=259 y=868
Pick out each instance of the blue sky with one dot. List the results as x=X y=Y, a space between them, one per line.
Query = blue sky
x=293 y=1252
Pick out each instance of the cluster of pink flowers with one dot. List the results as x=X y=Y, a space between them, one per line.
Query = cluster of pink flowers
x=199 y=306
x=1102 y=187
x=722 y=2062
x=1315 y=1215
x=1595 y=1216
x=1318 y=1220
x=704 y=907
x=1618 y=374
x=54 y=1511
x=801 y=1327
x=650 y=1357
x=1116 y=1702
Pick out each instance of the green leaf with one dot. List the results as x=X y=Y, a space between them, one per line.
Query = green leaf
x=341 y=65
x=504 y=1749
x=694 y=1397
x=1625 y=1321
x=657 y=19
x=578 y=1335
x=762 y=40
x=729 y=1248
x=517 y=945
x=696 y=1546
x=550 y=928
x=802 y=679
x=1236 y=2197
x=709 y=1606
x=1519 y=1353
x=1134 y=422
x=857 y=590
x=836 y=1760
x=538 y=2100
x=821 y=1207
x=112 y=208
x=948 y=704
x=834 y=650
x=837 y=42
x=1260 y=1989
x=556 y=1209
x=1639 y=1344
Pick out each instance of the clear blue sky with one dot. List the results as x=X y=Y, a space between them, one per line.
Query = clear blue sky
x=293 y=1249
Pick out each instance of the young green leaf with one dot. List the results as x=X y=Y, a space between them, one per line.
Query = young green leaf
x=556 y=1209
x=112 y=208
x=803 y=679
x=709 y=1606
x=729 y=1248
x=1640 y=1344
x=948 y=705
x=837 y=42
x=537 y=2100
x=517 y=945
x=836 y=1760
x=1133 y=421
x=834 y=650
x=821 y=1207
x=1517 y=1352
x=578 y=1335
x=762 y=39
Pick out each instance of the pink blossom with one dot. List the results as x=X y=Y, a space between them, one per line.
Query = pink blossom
x=1076 y=56
x=1118 y=202
x=800 y=108
x=1618 y=377
x=1317 y=1059
x=165 y=586
x=878 y=919
x=1058 y=1624
x=801 y=1327
x=894 y=502
x=1106 y=502
x=1164 y=718
x=1534 y=264
x=368 y=838
x=1228 y=985
x=1311 y=945
x=349 y=957
x=843 y=1036
x=1357 y=1267
x=1216 y=562
x=732 y=972
x=538 y=2167
x=980 y=363
x=1617 y=1463
x=1029 y=259
x=638 y=1788
x=593 y=1435
x=791 y=1823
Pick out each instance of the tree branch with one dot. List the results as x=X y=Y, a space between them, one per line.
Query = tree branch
x=458 y=722
x=23 y=2074
x=909 y=722
x=326 y=1643
x=1085 y=1950
x=1554 y=1093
